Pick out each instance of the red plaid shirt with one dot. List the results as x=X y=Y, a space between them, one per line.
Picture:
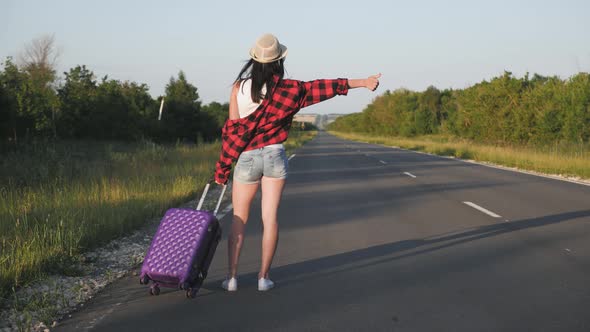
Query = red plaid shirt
x=271 y=121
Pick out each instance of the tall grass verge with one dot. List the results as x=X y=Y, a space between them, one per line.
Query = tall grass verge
x=562 y=159
x=60 y=199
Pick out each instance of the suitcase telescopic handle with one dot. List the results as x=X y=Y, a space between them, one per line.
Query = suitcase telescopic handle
x=205 y=194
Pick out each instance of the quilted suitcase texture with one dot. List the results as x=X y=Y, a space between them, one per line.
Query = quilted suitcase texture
x=182 y=249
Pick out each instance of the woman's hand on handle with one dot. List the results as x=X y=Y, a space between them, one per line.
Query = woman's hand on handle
x=371 y=82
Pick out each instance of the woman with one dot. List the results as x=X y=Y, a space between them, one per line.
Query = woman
x=262 y=107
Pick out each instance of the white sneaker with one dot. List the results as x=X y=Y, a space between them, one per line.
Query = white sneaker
x=265 y=284
x=230 y=285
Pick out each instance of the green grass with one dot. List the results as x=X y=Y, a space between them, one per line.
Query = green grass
x=561 y=159
x=58 y=200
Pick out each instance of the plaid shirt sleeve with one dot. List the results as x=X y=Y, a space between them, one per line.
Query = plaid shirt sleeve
x=227 y=155
x=235 y=136
x=317 y=91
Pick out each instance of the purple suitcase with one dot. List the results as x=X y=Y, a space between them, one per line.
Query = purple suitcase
x=182 y=249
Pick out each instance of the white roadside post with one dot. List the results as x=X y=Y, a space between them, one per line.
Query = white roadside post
x=161 y=107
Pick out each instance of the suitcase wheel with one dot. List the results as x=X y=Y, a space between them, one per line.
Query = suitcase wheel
x=144 y=280
x=155 y=290
x=191 y=293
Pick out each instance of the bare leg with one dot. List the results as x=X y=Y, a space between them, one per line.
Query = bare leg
x=272 y=190
x=242 y=196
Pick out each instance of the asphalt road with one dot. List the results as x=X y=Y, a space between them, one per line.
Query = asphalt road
x=366 y=247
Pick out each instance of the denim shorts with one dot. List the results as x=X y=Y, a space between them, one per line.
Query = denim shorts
x=269 y=161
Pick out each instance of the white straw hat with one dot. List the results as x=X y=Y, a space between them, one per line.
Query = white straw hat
x=268 y=49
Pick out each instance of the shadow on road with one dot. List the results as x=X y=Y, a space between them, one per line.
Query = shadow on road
x=380 y=254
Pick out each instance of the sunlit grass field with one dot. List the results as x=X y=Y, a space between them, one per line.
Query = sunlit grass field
x=58 y=200
x=561 y=159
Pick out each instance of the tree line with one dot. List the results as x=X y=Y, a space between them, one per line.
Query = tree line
x=535 y=110
x=36 y=103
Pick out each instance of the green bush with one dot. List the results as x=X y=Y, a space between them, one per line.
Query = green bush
x=537 y=111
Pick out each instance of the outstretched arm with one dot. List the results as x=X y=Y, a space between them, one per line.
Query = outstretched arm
x=319 y=90
x=371 y=83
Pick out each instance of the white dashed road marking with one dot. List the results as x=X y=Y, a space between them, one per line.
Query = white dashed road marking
x=410 y=174
x=488 y=212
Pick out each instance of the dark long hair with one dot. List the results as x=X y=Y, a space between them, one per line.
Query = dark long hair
x=261 y=74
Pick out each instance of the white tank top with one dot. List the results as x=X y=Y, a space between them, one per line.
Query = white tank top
x=245 y=104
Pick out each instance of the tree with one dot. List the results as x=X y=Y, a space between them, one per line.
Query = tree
x=181 y=119
x=577 y=115
x=29 y=103
x=11 y=83
x=40 y=53
x=214 y=115
x=428 y=116
x=115 y=116
x=40 y=102
x=77 y=98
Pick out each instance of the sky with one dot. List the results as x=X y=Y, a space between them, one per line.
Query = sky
x=414 y=44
